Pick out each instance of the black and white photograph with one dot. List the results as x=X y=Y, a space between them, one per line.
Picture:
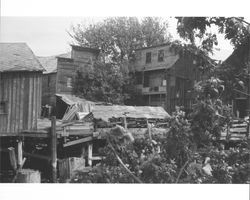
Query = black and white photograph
x=130 y=99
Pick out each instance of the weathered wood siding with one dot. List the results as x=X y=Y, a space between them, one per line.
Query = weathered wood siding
x=49 y=89
x=183 y=76
x=22 y=93
x=65 y=69
x=169 y=58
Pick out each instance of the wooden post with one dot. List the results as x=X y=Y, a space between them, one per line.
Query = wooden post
x=149 y=130
x=90 y=154
x=168 y=97
x=125 y=123
x=12 y=156
x=53 y=149
x=20 y=153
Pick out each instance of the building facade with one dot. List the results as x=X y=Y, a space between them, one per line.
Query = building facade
x=61 y=71
x=164 y=78
x=20 y=88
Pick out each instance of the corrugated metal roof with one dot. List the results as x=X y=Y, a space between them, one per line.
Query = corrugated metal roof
x=18 y=57
x=106 y=112
x=50 y=63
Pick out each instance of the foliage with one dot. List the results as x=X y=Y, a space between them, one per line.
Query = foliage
x=118 y=37
x=170 y=158
x=235 y=29
x=104 y=82
x=209 y=115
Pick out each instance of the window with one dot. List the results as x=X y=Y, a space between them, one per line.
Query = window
x=3 y=107
x=161 y=55
x=148 y=57
x=69 y=82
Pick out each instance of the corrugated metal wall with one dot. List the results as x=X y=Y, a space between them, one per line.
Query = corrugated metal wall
x=22 y=93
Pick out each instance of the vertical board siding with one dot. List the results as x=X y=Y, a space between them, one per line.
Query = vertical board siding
x=22 y=91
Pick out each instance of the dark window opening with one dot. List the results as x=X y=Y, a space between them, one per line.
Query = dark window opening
x=138 y=78
x=160 y=55
x=148 y=57
x=146 y=80
x=3 y=107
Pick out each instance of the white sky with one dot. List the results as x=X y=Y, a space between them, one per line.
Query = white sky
x=42 y=24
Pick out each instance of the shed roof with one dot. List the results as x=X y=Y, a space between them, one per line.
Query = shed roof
x=72 y=99
x=18 y=57
x=116 y=111
x=106 y=112
x=50 y=62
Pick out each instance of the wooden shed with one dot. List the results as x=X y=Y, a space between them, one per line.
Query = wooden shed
x=20 y=88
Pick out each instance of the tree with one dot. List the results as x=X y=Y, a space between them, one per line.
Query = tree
x=105 y=82
x=235 y=71
x=235 y=29
x=118 y=37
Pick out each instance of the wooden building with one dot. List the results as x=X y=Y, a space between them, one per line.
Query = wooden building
x=60 y=71
x=164 y=78
x=237 y=61
x=20 y=88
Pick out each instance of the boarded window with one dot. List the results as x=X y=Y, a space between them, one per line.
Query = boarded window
x=3 y=107
x=161 y=55
x=69 y=82
x=148 y=57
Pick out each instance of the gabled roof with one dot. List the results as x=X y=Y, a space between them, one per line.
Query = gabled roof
x=18 y=57
x=50 y=63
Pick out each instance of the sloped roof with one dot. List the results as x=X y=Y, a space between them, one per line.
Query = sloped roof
x=107 y=112
x=239 y=55
x=18 y=57
x=72 y=99
x=50 y=62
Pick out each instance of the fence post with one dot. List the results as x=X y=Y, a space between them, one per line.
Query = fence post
x=53 y=149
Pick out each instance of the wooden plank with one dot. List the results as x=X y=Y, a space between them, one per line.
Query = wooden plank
x=238 y=130
x=97 y=158
x=76 y=132
x=90 y=154
x=19 y=153
x=12 y=156
x=53 y=149
x=82 y=140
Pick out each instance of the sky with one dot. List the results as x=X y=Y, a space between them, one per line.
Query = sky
x=43 y=24
x=48 y=35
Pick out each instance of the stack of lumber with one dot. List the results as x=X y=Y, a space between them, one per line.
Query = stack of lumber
x=238 y=130
x=71 y=113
